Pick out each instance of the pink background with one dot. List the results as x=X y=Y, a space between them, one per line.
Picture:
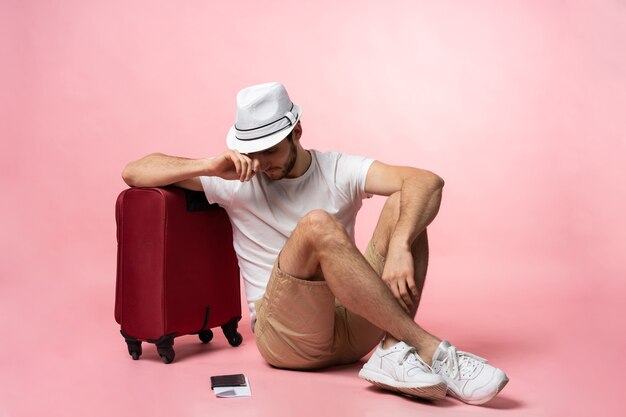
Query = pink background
x=519 y=106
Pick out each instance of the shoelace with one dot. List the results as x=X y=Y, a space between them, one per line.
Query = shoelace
x=468 y=362
x=410 y=355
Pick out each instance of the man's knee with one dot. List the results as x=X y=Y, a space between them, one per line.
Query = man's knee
x=393 y=204
x=322 y=227
x=386 y=223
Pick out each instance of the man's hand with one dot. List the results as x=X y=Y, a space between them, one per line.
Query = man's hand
x=231 y=165
x=398 y=274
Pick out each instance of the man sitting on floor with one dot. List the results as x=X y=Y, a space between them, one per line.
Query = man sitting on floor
x=314 y=299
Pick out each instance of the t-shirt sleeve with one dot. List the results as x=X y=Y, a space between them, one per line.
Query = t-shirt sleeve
x=218 y=190
x=351 y=175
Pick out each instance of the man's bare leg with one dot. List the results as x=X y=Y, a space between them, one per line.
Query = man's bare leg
x=490 y=381
x=380 y=240
x=320 y=249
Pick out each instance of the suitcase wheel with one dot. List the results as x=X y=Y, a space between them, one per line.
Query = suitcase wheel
x=230 y=331
x=166 y=354
x=235 y=339
x=205 y=335
x=165 y=348
x=134 y=348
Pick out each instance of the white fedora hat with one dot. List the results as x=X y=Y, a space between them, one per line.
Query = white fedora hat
x=265 y=116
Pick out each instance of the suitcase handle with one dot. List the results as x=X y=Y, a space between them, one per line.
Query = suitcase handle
x=196 y=201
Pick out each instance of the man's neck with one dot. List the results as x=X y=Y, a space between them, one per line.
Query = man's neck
x=303 y=161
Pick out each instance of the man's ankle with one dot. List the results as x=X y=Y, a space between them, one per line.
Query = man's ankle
x=427 y=351
x=389 y=341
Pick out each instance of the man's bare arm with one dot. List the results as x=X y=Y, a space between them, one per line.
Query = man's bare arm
x=158 y=170
x=420 y=199
x=420 y=192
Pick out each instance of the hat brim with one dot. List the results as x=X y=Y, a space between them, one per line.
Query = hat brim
x=258 y=145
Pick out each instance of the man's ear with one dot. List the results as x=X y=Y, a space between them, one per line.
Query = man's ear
x=297 y=130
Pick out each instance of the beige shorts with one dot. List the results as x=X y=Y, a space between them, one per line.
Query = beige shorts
x=300 y=324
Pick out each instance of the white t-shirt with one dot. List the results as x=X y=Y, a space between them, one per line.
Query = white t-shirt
x=263 y=213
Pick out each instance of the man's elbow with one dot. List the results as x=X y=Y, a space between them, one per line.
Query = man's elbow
x=128 y=176
x=134 y=173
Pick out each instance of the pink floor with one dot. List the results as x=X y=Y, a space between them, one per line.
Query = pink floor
x=63 y=356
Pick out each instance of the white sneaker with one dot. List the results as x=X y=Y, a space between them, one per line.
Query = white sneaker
x=469 y=377
x=400 y=369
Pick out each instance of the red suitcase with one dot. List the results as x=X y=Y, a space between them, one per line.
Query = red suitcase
x=177 y=272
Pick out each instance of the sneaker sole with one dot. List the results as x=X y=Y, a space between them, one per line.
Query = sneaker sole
x=428 y=392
